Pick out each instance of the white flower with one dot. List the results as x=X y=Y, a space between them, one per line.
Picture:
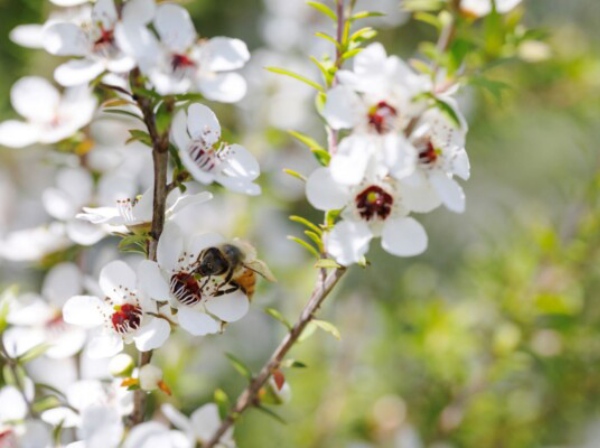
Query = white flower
x=441 y=147
x=372 y=208
x=479 y=8
x=49 y=117
x=38 y=320
x=150 y=377
x=155 y=434
x=35 y=243
x=100 y=427
x=197 y=135
x=95 y=41
x=200 y=312
x=180 y=63
x=138 y=212
x=122 y=317
x=201 y=425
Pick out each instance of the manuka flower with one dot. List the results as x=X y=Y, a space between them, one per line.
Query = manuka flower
x=121 y=317
x=197 y=135
x=479 y=8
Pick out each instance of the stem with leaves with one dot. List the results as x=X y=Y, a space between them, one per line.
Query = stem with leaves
x=160 y=159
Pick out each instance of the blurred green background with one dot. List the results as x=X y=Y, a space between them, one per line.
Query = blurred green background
x=492 y=337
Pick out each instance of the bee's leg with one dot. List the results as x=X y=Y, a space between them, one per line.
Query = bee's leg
x=234 y=286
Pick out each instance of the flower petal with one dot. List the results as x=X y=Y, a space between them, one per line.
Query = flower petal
x=205 y=421
x=84 y=233
x=138 y=12
x=63 y=416
x=152 y=335
x=223 y=87
x=104 y=13
x=117 y=279
x=179 y=133
x=450 y=192
x=85 y=311
x=65 y=39
x=343 y=108
x=241 y=163
x=176 y=418
x=35 y=99
x=175 y=27
x=196 y=322
x=243 y=186
x=62 y=282
x=201 y=241
x=78 y=71
x=404 y=237
x=349 y=165
x=229 y=307
x=152 y=281
x=349 y=241
x=105 y=346
x=324 y=193
x=170 y=247
x=203 y=125
x=18 y=134
x=187 y=200
x=223 y=53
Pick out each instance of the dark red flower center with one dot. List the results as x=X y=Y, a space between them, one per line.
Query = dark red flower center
x=185 y=288
x=381 y=117
x=126 y=318
x=105 y=41
x=181 y=62
x=427 y=152
x=374 y=202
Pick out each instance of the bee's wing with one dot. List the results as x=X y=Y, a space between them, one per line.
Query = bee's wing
x=260 y=267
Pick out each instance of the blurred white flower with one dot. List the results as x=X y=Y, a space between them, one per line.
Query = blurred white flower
x=197 y=135
x=50 y=117
x=372 y=208
x=171 y=279
x=95 y=41
x=479 y=8
x=35 y=243
x=201 y=425
x=122 y=317
x=155 y=434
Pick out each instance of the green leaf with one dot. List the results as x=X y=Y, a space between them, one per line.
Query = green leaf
x=223 y=403
x=271 y=414
x=277 y=315
x=351 y=53
x=430 y=19
x=292 y=363
x=134 y=243
x=331 y=216
x=308 y=331
x=305 y=222
x=295 y=174
x=45 y=403
x=323 y=9
x=305 y=245
x=163 y=118
x=308 y=141
x=140 y=136
x=496 y=88
x=34 y=352
x=328 y=327
x=13 y=375
x=329 y=39
x=448 y=111
x=238 y=365
x=363 y=34
x=325 y=71
x=282 y=71
x=316 y=238
x=423 y=5
x=327 y=263
x=7 y=296
x=123 y=112
x=365 y=15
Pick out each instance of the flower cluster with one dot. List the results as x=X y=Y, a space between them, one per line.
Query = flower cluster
x=402 y=154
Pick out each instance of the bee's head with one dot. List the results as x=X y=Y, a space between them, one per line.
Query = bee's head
x=212 y=261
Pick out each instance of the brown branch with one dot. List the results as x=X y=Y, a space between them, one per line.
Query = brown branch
x=160 y=158
x=249 y=396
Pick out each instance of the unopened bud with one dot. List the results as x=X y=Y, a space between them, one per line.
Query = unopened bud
x=121 y=365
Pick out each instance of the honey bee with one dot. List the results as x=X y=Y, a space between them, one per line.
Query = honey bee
x=236 y=262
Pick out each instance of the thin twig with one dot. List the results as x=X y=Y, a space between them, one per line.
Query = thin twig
x=249 y=396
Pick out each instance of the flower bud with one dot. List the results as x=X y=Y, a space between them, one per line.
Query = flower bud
x=121 y=365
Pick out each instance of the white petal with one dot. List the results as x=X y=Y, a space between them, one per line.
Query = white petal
x=239 y=185
x=349 y=165
x=101 y=427
x=84 y=233
x=203 y=125
x=67 y=343
x=138 y=12
x=17 y=134
x=229 y=307
x=152 y=280
x=343 y=108
x=205 y=421
x=122 y=64
x=65 y=39
x=189 y=199
x=197 y=323
x=152 y=335
x=201 y=241
x=116 y=278
x=176 y=418
x=450 y=192
x=101 y=215
x=370 y=61
x=400 y=155
x=420 y=198
x=105 y=346
x=223 y=87
x=105 y=13
x=85 y=311
x=349 y=241
x=12 y=404
x=241 y=163
x=170 y=247
x=223 y=53
x=29 y=36
x=324 y=193
x=65 y=417
x=35 y=98
x=155 y=434
x=62 y=282
x=204 y=177
x=78 y=71
x=58 y=204
x=175 y=27
x=404 y=237
x=78 y=182
x=460 y=164
x=179 y=133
